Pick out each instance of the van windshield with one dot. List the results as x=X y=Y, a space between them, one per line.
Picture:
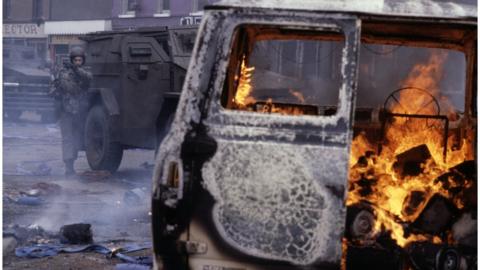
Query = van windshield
x=436 y=72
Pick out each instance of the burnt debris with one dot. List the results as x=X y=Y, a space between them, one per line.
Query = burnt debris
x=409 y=163
x=449 y=216
x=437 y=216
x=413 y=202
x=361 y=221
x=79 y=233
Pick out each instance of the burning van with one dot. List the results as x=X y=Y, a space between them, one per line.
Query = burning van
x=323 y=135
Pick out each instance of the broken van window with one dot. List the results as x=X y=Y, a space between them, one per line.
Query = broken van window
x=284 y=71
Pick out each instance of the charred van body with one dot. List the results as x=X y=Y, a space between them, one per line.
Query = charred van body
x=291 y=114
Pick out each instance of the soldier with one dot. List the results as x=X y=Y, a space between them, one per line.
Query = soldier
x=70 y=88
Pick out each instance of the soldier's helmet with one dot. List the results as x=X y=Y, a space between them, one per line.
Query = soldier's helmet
x=77 y=51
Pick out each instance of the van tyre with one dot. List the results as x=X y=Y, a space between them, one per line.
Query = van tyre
x=102 y=152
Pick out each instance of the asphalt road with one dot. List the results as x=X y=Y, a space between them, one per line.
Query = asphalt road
x=32 y=164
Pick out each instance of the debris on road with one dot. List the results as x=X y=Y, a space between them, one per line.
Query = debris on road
x=29 y=200
x=33 y=196
x=46 y=250
x=79 y=233
x=45 y=189
x=53 y=201
x=31 y=234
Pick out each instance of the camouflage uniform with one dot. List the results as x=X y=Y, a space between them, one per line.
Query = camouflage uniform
x=71 y=88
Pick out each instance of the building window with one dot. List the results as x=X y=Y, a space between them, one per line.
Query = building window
x=37 y=9
x=198 y=5
x=7 y=9
x=128 y=8
x=163 y=7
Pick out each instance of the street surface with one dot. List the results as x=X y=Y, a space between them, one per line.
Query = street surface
x=32 y=165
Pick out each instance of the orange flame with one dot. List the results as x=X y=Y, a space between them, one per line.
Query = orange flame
x=243 y=95
x=389 y=188
x=298 y=95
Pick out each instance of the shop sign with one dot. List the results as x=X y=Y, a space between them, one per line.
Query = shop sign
x=23 y=30
x=190 y=20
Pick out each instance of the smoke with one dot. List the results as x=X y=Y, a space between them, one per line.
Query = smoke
x=103 y=205
x=98 y=200
x=385 y=68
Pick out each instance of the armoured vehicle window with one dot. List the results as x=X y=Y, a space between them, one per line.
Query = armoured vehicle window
x=184 y=40
x=163 y=41
x=294 y=72
x=140 y=51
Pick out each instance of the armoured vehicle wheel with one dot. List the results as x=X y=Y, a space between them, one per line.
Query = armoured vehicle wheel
x=102 y=153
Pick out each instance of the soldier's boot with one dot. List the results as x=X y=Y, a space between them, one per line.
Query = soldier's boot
x=69 y=170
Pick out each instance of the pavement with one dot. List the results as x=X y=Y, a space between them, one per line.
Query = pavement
x=36 y=194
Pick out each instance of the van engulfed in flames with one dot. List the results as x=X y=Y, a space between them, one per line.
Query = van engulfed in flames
x=417 y=185
x=390 y=186
x=408 y=186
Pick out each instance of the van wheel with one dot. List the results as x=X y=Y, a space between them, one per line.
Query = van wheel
x=102 y=153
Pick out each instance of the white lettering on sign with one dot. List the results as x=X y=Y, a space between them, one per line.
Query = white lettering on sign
x=23 y=30
x=190 y=20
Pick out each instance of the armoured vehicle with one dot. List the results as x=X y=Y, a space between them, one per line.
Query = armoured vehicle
x=137 y=78
x=323 y=134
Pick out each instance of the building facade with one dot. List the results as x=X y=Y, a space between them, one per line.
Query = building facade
x=25 y=42
x=69 y=20
x=131 y=14
x=41 y=32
